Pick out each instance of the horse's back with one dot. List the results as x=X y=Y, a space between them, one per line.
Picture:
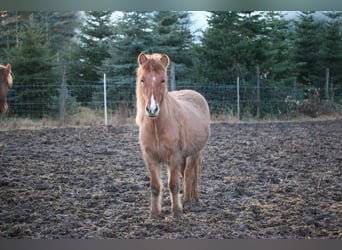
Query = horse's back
x=192 y=102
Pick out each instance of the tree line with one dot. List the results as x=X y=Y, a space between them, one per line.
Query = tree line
x=286 y=52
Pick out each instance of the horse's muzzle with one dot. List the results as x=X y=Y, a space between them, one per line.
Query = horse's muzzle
x=152 y=111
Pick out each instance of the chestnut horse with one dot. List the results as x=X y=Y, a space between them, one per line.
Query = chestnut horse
x=173 y=129
x=5 y=84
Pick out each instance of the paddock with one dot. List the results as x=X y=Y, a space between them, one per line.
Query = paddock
x=259 y=180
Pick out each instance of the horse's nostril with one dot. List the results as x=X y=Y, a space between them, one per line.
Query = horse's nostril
x=152 y=111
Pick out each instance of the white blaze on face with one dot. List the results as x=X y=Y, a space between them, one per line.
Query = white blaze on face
x=153 y=80
x=153 y=104
x=153 y=101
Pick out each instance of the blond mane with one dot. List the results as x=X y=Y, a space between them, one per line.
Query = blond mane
x=140 y=102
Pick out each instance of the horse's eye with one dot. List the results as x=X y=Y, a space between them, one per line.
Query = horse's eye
x=163 y=81
x=142 y=81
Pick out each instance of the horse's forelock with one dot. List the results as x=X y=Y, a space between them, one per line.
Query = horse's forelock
x=153 y=65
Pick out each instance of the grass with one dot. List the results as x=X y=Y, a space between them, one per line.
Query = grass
x=86 y=117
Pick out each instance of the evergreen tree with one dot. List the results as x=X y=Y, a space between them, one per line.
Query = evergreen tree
x=32 y=64
x=172 y=36
x=132 y=35
x=89 y=54
x=11 y=23
x=59 y=28
x=218 y=54
x=252 y=40
x=233 y=45
x=332 y=47
x=278 y=67
x=307 y=46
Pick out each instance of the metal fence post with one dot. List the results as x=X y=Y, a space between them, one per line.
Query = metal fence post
x=105 y=98
x=62 y=97
x=258 y=91
x=327 y=84
x=173 y=77
x=238 y=97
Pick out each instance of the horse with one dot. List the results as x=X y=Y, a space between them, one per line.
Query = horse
x=174 y=128
x=5 y=83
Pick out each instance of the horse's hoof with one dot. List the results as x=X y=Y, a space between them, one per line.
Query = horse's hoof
x=177 y=214
x=173 y=217
x=188 y=206
x=154 y=217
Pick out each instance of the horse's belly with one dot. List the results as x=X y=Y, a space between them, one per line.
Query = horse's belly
x=195 y=141
x=194 y=126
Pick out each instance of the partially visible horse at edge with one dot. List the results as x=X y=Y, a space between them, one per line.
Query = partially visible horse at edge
x=5 y=84
x=174 y=127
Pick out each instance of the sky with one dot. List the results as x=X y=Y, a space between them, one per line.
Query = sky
x=199 y=20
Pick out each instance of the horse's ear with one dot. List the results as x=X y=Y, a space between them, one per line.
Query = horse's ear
x=142 y=58
x=8 y=67
x=165 y=60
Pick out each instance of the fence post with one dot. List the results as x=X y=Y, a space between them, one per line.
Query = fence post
x=105 y=98
x=173 y=77
x=62 y=97
x=332 y=92
x=327 y=84
x=238 y=97
x=258 y=91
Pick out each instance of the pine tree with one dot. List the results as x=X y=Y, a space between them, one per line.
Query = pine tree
x=278 y=67
x=332 y=47
x=89 y=54
x=172 y=36
x=132 y=35
x=233 y=45
x=218 y=54
x=252 y=39
x=11 y=23
x=307 y=46
x=59 y=28
x=32 y=64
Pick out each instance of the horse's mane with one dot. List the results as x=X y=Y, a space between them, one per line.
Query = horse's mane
x=9 y=77
x=152 y=64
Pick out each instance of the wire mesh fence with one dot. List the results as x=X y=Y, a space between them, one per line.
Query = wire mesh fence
x=40 y=98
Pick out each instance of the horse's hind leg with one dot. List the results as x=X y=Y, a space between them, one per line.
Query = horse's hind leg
x=190 y=180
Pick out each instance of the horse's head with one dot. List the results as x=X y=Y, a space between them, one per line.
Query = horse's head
x=152 y=78
x=5 y=83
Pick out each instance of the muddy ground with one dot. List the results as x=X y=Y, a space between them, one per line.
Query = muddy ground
x=273 y=180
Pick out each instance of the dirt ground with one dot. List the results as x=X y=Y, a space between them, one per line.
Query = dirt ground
x=262 y=180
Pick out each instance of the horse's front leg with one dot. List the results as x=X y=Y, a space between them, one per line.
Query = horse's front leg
x=156 y=189
x=174 y=177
